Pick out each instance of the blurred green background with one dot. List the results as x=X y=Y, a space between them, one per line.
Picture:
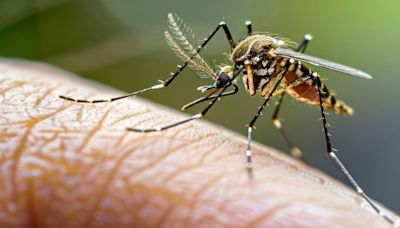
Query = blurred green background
x=121 y=43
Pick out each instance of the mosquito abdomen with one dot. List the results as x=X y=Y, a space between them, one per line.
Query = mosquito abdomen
x=307 y=92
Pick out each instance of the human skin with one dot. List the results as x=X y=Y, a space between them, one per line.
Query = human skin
x=66 y=164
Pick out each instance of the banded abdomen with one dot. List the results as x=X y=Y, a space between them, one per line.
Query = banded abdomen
x=307 y=91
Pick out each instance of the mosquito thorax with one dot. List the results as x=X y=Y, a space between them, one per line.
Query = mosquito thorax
x=255 y=48
x=257 y=55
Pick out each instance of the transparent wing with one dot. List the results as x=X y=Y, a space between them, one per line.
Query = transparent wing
x=286 y=53
x=195 y=61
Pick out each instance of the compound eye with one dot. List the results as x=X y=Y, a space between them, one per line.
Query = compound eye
x=224 y=77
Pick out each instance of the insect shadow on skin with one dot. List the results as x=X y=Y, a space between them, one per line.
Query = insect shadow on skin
x=272 y=66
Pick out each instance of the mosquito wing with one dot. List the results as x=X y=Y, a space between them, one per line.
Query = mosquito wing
x=286 y=53
x=195 y=61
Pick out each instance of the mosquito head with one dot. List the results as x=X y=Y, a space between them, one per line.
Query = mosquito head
x=225 y=74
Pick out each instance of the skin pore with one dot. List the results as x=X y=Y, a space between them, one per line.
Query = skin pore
x=73 y=165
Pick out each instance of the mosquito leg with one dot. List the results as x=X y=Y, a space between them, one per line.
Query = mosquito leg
x=206 y=98
x=250 y=77
x=304 y=43
x=249 y=28
x=173 y=75
x=227 y=34
x=294 y=151
x=194 y=117
x=249 y=163
x=331 y=154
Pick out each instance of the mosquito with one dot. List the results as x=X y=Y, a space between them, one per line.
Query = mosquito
x=272 y=66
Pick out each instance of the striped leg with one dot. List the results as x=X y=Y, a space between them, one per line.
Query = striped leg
x=294 y=151
x=249 y=163
x=249 y=28
x=173 y=75
x=206 y=98
x=331 y=153
x=194 y=117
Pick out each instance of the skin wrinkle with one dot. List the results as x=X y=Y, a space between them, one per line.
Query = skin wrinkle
x=119 y=142
x=17 y=84
x=227 y=209
x=130 y=116
x=215 y=192
x=107 y=184
x=217 y=158
x=222 y=208
x=145 y=119
x=55 y=136
x=132 y=189
x=136 y=139
x=130 y=143
x=109 y=179
x=49 y=159
x=186 y=168
x=164 y=216
x=121 y=139
x=217 y=145
x=174 y=135
x=202 y=190
x=161 y=157
x=18 y=152
x=32 y=92
x=7 y=135
x=47 y=141
x=201 y=198
x=268 y=214
x=31 y=204
x=16 y=155
x=157 y=192
x=194 y=202
x=79 y=114
x=93 y=131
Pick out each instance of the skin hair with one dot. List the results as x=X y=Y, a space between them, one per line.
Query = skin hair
x=73 y=165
